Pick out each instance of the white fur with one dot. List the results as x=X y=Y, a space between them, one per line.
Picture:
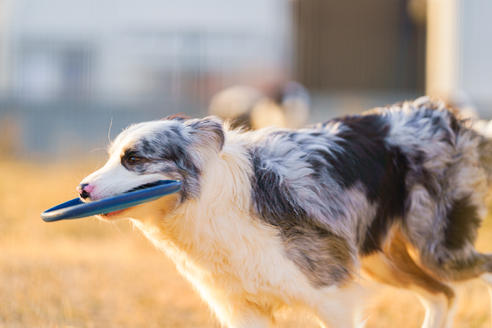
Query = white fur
x=436 y=311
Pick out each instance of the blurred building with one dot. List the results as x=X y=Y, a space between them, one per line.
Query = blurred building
x=459 y=55
x=364 y=53
x=123 y=51
x=363 y=46
x=70 y=67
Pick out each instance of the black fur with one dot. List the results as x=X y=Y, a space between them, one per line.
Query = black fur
x=356 y=154
x=462 y=224
x=381 y=168
x=391 y=197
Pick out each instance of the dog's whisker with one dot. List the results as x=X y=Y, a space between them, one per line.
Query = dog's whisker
x=109 y=130
x=97 y=149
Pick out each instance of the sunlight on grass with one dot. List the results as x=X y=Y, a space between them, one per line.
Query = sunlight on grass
x=87 y=273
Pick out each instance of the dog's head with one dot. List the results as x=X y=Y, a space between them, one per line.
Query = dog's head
x=144 y=153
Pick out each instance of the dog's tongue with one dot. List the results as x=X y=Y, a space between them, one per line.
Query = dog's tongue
x=115 y=212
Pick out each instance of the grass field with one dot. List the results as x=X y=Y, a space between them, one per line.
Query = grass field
x=87 y=273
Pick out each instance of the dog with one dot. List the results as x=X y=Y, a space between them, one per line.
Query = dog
x=250 y=109
x=283 y=218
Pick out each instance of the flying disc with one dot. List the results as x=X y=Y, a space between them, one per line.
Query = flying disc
x=76 y=208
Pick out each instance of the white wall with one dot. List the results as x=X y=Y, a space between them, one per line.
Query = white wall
x=127 y=39
x=6 y=7
x=475 y=38
x=459 y=61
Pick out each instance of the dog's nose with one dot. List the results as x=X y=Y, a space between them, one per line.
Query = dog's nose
x=84 y=190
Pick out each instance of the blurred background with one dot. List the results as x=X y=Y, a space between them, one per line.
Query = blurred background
x=68 y=68
x=73 y=73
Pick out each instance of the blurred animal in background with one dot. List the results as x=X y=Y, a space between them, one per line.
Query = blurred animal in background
x=251 y=109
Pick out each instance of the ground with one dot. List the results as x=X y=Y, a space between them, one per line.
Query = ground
x=87 y=273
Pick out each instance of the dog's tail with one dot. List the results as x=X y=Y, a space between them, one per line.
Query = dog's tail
x=465 y=110
x=484 y=129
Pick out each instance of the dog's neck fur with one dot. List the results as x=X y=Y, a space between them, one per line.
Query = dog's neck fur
x=210 y=238
x=200 y=230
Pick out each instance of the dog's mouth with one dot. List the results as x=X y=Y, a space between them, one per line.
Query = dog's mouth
x=144 y=186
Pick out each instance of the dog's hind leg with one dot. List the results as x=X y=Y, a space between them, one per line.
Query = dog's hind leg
x=487 y=278
x=435 y=311
x=436 y=297
x=438 y=312
x=458 y=267
x=394 y=266
x=442 y=235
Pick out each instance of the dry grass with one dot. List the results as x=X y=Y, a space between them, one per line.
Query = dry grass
x=86 y=273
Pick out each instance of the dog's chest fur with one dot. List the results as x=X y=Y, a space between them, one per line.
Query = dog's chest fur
x=228 y=254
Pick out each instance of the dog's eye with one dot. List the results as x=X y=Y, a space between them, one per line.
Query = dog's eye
x=132 y=159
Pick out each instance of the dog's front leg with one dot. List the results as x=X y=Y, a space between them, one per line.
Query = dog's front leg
x=248 y=321
x=241 y=315
x=339 y=307
x=334 y=320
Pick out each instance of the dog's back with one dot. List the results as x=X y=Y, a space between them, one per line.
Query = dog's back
x=342 y=185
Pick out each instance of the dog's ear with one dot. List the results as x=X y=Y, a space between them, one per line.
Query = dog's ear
x=209 y=131
x=176 y=117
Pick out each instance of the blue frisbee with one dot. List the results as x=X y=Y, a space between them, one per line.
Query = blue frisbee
x=76 y=208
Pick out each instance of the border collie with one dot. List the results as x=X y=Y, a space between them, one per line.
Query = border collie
x=280 y=218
